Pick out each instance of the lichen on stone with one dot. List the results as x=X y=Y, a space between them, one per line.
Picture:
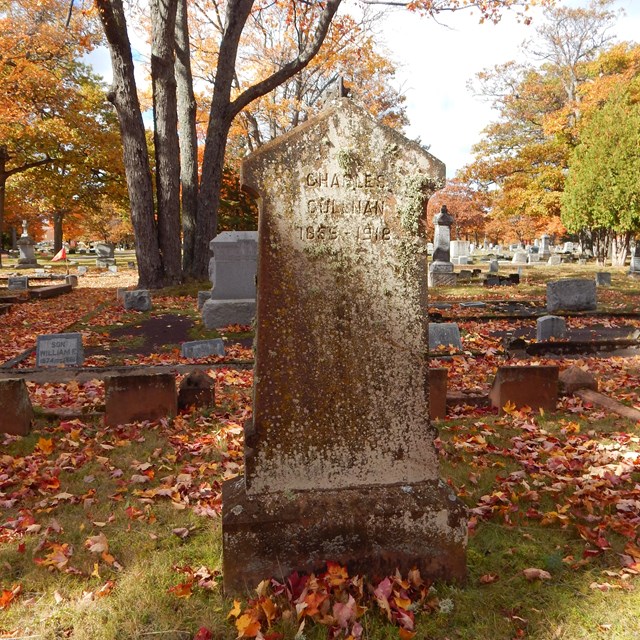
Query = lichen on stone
x=348 y=161
x=413 y=194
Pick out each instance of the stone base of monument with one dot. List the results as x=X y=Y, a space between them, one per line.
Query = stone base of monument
x=220 y=313
x=27 y=265
x=440 y=279
x=370 y=530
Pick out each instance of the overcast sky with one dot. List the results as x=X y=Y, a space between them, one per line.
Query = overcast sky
x=436 y=62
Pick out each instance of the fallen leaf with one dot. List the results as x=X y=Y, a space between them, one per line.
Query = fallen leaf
x=536 y=574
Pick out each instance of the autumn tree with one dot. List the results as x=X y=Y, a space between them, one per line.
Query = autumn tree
x=525 y=153
x=602 y=193
x=156 y=250
x=467 y=205
x=37 y=65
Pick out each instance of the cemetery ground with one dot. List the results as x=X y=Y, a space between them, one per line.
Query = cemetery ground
x=114 y=532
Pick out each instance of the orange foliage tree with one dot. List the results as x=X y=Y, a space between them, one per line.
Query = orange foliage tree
x=39 y=78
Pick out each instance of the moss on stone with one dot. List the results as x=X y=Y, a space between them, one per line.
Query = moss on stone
x=413 y=193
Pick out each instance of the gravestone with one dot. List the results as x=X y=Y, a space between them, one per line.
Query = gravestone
x=203 y=296
x=444 y=334
x=202 y=348
x=545 y=247
x=494 y=266
x=554 y=260
x=458 y=248
x=441 y=268
x=341 y=344
x=26 y=249
x=197 y=389
x=634 y=268
x=137 y=300
x=105 y=249
x=603 y=279
x=82 y=271
x=571 y=294
x=525 y=386
x=18 y=283
x=520 y=257
x=548 y=327
x=438 y=392
x=72 y=280
x=232 y=271
x=59 y=350
x=17 y=412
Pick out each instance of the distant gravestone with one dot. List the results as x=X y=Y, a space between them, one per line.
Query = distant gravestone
x=545 y=247
x=26 y=250
x=137 y=300
x=571 y=294
x=525 y=386
x=82 y=271
x=554 y=260
x=113 y=268
x=202 y=348
x=634 y=268
x=549 y=327
x=18 y=283
x=441 y=268
x=603 y=279
x=72 y=280
x=342 y=276
x=59 y=350
x=520 y=257
x=444 y=334
x=232 y=271
x=459 y=248
x=203 y=296
x=494 y=266
x=105 y=249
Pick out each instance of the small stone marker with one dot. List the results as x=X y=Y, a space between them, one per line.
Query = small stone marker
x=72 y=280
x=554 y=260
x=571 y=294
x=137 y=300
x=202 y=348
x=603 y=279
x=196 y=390
x=534 y=387
x=136 y=397
x=17 y=412
x=634 y=267
x=520 y=257
x=59 y=350
x=82 y=271
x=131 y=264
x=438 y=392
x=203 y=296
x=113 y=268
x=444 y=334
x=18 y=283
x=494 y=266
x=573 y=378
x=342 y=276
x=549 y=327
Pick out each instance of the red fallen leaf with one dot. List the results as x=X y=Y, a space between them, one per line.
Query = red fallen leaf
x=203 y=634
x=7 y=596
x=405 y=634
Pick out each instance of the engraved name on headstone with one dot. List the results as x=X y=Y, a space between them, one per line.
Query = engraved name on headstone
x=59 y=349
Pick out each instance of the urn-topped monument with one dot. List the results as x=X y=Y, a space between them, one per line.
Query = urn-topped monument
x=26 y=244
x=441 y=268
x=340 y=457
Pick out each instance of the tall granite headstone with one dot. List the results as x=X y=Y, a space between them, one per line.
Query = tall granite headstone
x=441 y=269
x=340 y=461
x=634 y=268
x=545 y=247
x=232 y=271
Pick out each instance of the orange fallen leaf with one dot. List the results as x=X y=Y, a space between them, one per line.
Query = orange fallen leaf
x=536 y=574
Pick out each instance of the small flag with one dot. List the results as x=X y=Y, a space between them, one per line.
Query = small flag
x=61 y=255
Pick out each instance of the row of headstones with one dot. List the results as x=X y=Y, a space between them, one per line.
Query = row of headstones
x=447 y=334
x=128 y=398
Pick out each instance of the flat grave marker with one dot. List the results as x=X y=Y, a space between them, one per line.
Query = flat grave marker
x=59 y=350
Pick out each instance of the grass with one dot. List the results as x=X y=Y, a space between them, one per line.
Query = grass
x=56 y=605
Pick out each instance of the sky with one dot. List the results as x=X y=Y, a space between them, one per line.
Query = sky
x=436 y=62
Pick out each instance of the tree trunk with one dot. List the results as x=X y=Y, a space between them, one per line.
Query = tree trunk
x=187 y=137
x=3 y=183
x=124 y=97
x=58 y=218
x=620 y=248
x=220 y=118
x=165 y=136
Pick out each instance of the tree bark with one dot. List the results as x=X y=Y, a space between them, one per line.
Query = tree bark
x=58 y=218
x=165 y=136
x=187 y=137
x=223 y=110
x=124 y=97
